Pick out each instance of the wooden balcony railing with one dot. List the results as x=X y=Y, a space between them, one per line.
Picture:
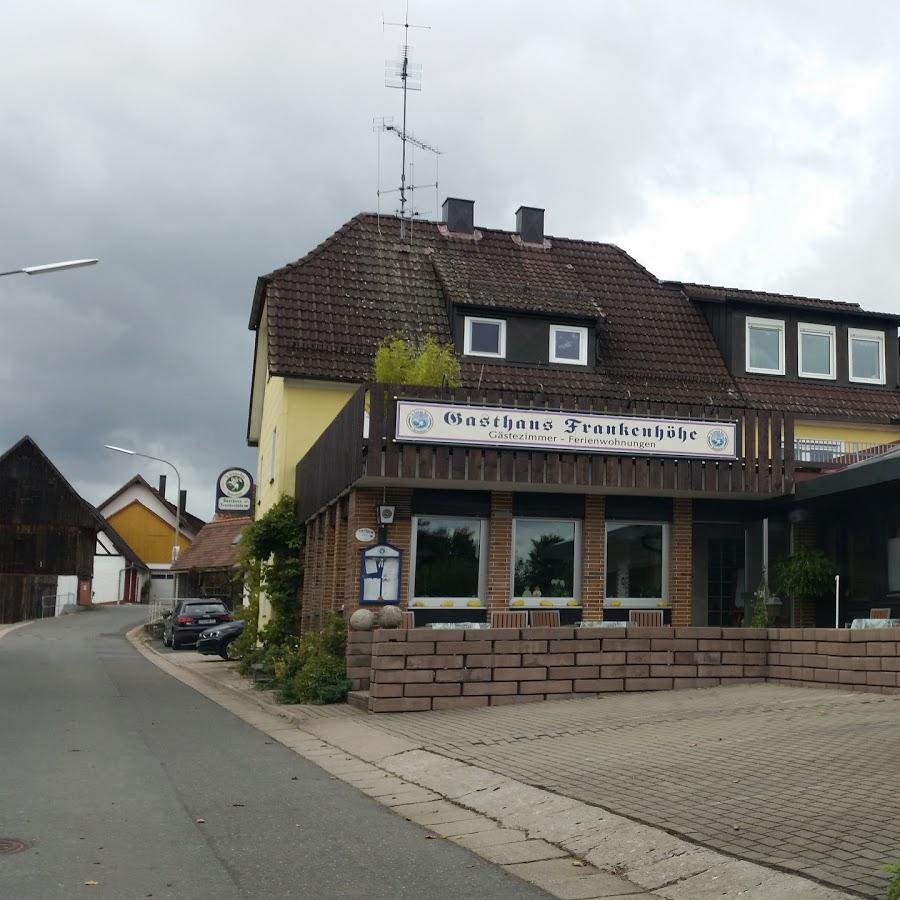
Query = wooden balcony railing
x=346 y=453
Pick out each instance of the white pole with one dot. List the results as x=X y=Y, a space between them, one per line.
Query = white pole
x=837 y=601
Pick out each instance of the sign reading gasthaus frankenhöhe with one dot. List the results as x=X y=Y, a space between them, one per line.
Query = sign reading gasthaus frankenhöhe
x=490 y=426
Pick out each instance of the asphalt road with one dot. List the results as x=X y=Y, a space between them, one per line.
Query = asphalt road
x=107 y=764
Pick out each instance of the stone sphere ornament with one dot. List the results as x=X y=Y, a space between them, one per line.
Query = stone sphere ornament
x=362 y=620
x=390 y=617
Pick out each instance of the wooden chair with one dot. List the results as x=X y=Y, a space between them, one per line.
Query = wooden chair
x=545 y=618
x=408 y=619
x=881 y=612
x=508 y=618
x=645 y=617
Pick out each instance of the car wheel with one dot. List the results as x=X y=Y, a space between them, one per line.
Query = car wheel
x=175 y=643
x=229 y=652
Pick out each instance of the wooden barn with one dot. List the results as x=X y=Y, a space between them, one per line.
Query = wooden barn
x=46 y=530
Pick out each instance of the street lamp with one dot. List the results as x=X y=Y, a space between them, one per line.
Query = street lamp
x=52 y=267
x=175 y=548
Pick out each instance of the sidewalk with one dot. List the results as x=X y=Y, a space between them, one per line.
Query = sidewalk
x=420 y=765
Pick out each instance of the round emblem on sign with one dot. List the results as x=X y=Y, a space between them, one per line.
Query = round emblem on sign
x=717 y=439
x=234 y=483
x=420 y=421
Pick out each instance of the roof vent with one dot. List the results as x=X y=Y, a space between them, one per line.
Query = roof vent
x=530 y=224
x=459 y=215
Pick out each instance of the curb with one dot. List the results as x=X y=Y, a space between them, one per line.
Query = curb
x=6 y=629
x=563 y=846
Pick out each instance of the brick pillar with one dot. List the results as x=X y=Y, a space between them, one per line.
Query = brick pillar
x=681 y=568
x=593 y=548
x=499 y=550
x=337 y=559
x=361 y=514
x=804 y=534
x=308 y=562
x=400 y=533
x=328 y=561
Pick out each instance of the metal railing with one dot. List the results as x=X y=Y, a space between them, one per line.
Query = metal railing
x=52 y=604
x=827 y=452
x=157 y=607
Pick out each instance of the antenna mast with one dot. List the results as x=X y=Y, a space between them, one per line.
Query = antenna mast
x=405 y=76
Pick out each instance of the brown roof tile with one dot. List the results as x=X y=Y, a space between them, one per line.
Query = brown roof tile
x=822 y=400
x=214 y=546
x=328 y=311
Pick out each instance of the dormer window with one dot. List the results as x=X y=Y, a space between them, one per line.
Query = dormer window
x=815 y=350
x=866 y=356
x=765 y=346
x=485 y=337
x=568 y=344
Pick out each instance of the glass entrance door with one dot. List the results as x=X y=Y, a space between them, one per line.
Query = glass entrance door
x=725 y=577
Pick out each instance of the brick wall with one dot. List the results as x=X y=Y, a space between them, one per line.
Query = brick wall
x=593 y=561
x=681 y=574
x=359 y=659
x=423 y=668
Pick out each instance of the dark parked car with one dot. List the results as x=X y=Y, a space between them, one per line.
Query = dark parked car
x=219 y=639
x=190 y=617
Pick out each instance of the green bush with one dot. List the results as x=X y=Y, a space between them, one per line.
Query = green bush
x=321 y=675
x=893 y=889
x=398 y=361
x=805 y=574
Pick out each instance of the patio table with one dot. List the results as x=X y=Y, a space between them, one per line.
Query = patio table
x=875 y=623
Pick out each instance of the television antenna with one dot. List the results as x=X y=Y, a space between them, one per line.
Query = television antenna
x=406 y=76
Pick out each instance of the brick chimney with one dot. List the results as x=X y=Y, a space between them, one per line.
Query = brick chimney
x=530 y=224
x=459 y=215
x=182 y=501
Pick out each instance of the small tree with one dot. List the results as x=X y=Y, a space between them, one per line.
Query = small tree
x=430 y=364
x=806 y=574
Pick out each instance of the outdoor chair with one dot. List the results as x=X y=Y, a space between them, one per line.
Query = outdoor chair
x=509 y=619
x=881 y=612
x=645 y=617
x=408 y=618
x=545 y=618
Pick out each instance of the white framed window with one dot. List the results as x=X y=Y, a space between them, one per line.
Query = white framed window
x=637 y=565
x=816 y=351
x=448 y=562
x=485 y=337
x=568 y=344
x=546 y=564
x=765 y=346
x=866 y=353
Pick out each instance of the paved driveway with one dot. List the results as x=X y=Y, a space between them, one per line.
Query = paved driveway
x=801 y=779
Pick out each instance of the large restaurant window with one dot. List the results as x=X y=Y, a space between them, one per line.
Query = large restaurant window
x=448 y=569
x=637 y=567
x=545 y=562
x=765 y=346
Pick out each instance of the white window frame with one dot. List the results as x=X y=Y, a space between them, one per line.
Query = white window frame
x=810 y=328
x=771 y=324
x=467 y=337
x=864 y=334
x=414 y=602
x=582 y=347
x=573 y=602
x=663 y=602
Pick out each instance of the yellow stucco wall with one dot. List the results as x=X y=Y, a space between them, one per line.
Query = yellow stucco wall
x=295 y=413
x=844 y=431
x=146 y=533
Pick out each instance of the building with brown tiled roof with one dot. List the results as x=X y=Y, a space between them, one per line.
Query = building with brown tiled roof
x=618 y=444
x=209 y=565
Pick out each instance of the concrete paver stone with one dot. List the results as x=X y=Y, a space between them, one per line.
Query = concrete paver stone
x=421 y=762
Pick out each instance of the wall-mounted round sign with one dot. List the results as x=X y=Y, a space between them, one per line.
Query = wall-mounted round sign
x=363 y=535
x=234 y=491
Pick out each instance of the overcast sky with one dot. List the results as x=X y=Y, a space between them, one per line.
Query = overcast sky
x=194 y=146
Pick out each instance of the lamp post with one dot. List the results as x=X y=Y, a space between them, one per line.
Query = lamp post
x=52 y=267
x=175 y=547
